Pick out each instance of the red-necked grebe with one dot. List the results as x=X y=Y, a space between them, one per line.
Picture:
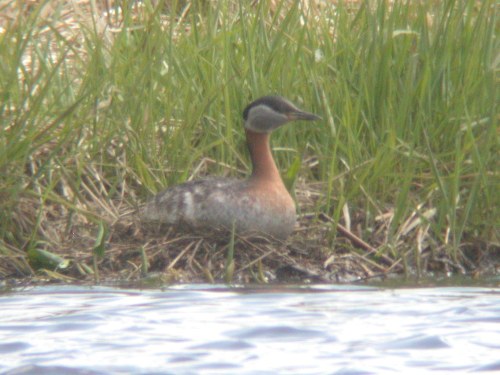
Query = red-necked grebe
x=258 y=205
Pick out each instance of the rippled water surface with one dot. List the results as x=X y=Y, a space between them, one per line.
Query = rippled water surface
x=193 y=330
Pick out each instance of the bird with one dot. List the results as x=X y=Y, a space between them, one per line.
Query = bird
x=259 y=205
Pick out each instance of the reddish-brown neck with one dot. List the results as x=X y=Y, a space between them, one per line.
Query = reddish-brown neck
x=264 y=167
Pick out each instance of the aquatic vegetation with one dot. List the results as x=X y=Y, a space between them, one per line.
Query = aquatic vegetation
x=101 y=108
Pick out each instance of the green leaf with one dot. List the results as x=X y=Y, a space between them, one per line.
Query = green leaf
x=291 y=174
x=39 y=259
x=100 y=241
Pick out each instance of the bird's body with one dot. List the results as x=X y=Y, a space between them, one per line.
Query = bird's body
x=218 y=202
x=259 y=205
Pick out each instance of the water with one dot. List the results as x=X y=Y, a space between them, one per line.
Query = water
x=210 y=330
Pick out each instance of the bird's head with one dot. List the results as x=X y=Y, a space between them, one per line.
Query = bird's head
x=270 y=112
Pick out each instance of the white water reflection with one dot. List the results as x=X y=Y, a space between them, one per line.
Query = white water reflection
x=188 y=330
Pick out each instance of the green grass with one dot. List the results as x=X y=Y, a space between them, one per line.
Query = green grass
x=96 y=121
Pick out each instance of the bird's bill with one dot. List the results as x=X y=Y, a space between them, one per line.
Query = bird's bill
x=300 y=115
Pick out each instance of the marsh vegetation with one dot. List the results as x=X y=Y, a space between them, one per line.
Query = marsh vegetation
x=104 y=105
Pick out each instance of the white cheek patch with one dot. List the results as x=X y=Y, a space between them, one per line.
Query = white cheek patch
x=263 y=119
